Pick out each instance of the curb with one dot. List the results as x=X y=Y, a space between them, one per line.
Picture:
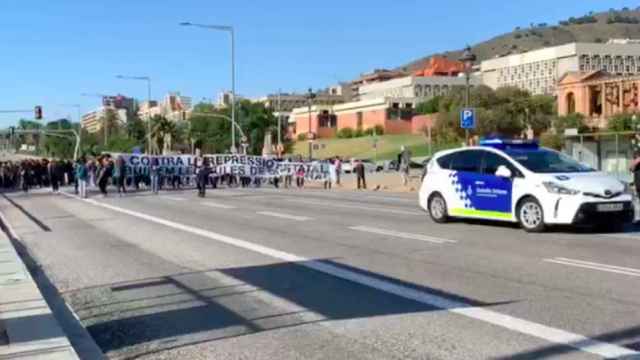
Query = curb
x=29 y=328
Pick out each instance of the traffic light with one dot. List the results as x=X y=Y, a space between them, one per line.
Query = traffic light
x=12 y=131
x=38 y=112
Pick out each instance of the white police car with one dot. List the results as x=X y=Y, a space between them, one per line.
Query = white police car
x=518 y=181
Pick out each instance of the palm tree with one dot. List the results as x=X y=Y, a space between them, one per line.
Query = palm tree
x=162 y=132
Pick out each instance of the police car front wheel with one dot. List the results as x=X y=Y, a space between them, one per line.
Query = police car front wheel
x=530 y=215
x=438 y=208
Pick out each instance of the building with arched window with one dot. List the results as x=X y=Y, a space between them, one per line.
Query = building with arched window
x=597 y=95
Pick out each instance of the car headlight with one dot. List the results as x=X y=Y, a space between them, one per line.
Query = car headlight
x=556 y=188
x=627 y=188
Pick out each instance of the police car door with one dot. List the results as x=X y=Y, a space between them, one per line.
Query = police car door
x=479 y=193
x=465 y=169
x=497 y=191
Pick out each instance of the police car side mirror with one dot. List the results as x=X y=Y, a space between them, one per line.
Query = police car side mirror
x=504 y=172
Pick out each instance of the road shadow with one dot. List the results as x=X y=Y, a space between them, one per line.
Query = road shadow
x=174 y=311
x=629 y=338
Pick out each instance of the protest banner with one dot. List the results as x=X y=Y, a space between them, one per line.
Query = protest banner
x=223 y=164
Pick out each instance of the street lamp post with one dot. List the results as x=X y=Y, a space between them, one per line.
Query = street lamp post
x=148 y=80
x=468 y=58
x=279 y=122
x=230 y=30
x=310 y=137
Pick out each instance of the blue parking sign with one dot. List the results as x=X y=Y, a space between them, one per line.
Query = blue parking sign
x=468 y=118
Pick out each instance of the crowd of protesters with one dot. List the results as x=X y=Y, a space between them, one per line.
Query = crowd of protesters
x=36 y=173
x=104 y=171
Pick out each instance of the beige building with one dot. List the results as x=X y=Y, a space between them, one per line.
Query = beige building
x=287 y=102
x=174 y=107
x=93 y=120
x=148 y=109
x=415 y=88
x=538 y=71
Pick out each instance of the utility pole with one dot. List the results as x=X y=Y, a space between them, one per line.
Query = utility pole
x=468 y=58
x=310 y=135
x=279 y=120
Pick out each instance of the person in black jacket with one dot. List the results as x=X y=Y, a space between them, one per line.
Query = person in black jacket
x=104 y=175
x=203 y=177
x=53 y=172
x=360 y=174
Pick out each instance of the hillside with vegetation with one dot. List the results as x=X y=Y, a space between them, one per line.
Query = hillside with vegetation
x=595 y=27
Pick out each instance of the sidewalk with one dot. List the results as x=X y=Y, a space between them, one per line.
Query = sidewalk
x=28 y=329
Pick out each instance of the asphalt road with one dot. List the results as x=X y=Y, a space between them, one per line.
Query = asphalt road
x=290 y=274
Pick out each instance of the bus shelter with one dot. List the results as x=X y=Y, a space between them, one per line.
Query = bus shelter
x=610 y=152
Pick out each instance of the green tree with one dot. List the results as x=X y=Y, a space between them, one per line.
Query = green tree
x=90 y=143
x=551 y=140
x=621 y=122
x=345 y=133
x=483 y=96
x=572 y=121
x=210 y=128
x=137 y=129
x=210 y=134
x=163 y=131
x=111 y=124
x=430 y=106
x=60 y=145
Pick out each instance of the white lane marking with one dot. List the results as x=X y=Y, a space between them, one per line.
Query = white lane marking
x=337 y=195
x=553 y=335
x=595 y=266
x=368 y=208
x=284 y=216
x=402 y=234
x=217 y=205
x=173 y=198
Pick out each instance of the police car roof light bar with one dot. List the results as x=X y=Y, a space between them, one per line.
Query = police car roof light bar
x=505 y=144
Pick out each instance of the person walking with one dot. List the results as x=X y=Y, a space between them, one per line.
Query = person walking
x=328 y=171
x=25 y=176
x=154 y=175
x=53 y=174
x=82 y=177
x=405 y=160
x=338 y=169
x=360 y=174
x=103 y=175
x=288 y=174
x=300 y=173
x=92 y=169
x=203 y=178
x=119 y=176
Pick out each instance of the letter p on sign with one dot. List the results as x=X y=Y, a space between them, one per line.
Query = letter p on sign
x=468 y=118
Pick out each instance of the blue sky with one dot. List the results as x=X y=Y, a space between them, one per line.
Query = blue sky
x=52 y=51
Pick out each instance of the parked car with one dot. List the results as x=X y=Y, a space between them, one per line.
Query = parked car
x=390 y=165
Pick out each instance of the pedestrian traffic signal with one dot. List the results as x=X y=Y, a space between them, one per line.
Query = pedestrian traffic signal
x=38 y=112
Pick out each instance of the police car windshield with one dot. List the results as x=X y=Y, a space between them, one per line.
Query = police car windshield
x=547 y=161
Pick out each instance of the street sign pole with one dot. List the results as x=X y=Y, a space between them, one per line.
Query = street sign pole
x=467 y=121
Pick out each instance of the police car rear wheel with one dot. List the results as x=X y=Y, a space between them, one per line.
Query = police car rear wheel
x=438 y=208
x=531 y=216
